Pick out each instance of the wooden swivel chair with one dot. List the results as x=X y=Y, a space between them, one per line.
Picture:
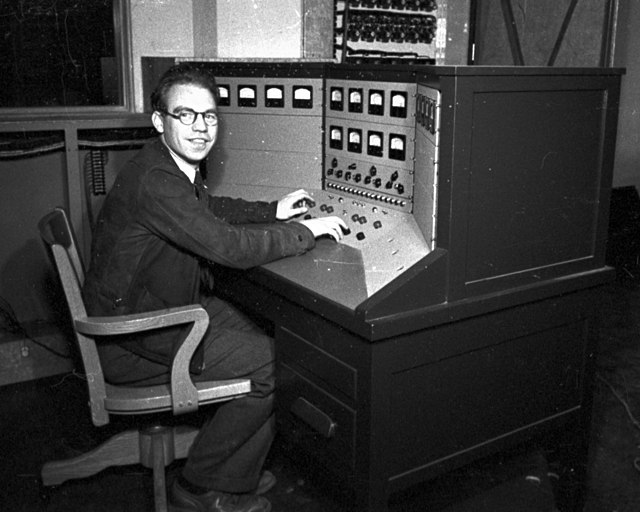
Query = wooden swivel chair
x=154 y=447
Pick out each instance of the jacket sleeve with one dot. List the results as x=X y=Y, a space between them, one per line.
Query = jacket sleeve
x=170 y=209
x=240 y=211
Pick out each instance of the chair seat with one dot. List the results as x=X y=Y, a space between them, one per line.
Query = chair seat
x=151 y=399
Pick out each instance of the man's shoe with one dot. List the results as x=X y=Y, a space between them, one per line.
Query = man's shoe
x=181 y=500
x=266 y=483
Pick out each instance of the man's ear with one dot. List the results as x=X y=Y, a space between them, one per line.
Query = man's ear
x=158 y=121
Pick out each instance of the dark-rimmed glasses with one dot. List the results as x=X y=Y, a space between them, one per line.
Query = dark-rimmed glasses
x=188 y=117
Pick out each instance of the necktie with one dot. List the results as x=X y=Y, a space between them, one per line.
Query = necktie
x=200 y=187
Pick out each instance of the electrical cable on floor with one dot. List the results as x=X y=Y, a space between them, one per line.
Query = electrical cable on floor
x=625 y=404
x=81 y=376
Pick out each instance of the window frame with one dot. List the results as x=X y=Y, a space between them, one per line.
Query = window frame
x=122 y=33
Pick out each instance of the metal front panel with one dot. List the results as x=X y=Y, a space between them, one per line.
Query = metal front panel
x=269 y=135
x=369 y=141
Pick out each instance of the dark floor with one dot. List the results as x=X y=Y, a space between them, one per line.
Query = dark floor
x=47 y=419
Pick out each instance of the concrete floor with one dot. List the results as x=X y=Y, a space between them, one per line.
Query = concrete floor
x=614 y=476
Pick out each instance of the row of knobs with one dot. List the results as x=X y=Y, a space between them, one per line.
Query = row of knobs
x=409 y=5
x=368 y=180
x=397 y=29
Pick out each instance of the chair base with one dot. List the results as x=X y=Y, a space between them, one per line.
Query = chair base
x=154 y=447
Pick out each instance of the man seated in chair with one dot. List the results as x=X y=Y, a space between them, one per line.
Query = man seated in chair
x=155 y=236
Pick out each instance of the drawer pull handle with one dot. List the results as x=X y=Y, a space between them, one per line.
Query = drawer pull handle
x=314 y=417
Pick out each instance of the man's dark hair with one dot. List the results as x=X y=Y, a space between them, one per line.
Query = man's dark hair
x=184 y=73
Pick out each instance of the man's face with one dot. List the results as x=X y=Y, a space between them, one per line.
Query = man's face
x=190 y=142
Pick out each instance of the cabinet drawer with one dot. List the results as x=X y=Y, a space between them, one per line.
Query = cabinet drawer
x=318 y=420
x=318 y=365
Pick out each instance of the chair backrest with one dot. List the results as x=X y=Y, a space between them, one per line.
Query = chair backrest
x=57 y=232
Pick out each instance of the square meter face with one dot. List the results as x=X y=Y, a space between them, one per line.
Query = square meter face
x=302 y=96
x=274 y=96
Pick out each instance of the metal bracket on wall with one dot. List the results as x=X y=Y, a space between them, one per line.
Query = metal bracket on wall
x=563 y=31
x=512 y=32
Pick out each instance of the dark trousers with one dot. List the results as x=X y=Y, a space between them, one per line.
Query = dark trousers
x=230 y=449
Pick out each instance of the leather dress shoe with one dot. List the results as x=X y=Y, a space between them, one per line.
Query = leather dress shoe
x=266 y=483
x=181 y=500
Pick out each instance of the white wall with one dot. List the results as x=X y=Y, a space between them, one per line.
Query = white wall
x=243 y=29
x=159 y=28
x=259 y=28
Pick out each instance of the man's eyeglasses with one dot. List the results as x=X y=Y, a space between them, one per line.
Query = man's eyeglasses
x=188 y=117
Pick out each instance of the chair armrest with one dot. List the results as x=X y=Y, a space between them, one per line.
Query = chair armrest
x=139 y=322
x=183 y=392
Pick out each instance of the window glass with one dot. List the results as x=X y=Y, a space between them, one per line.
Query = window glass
x=60 y=53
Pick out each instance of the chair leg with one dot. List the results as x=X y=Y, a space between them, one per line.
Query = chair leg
x=120 y=450
x=159 y=480
x=159 y=447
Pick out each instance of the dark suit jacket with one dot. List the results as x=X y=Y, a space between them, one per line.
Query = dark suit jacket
x=154 y=232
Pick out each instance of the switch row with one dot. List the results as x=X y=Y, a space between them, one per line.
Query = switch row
x=427 y=113
x=366 y=194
